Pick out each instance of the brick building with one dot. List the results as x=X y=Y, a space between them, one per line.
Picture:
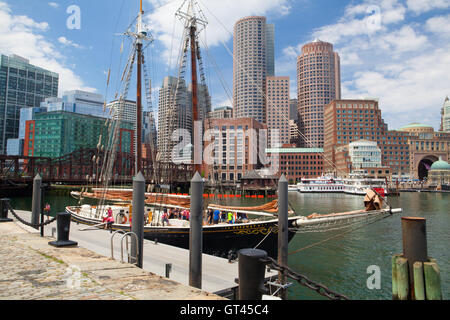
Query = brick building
x=236 y=148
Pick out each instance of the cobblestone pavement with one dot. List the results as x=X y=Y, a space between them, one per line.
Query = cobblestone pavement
x=30 y=269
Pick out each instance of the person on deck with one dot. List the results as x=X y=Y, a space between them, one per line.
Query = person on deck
x=165 y=218
x=210 y=216
x=216 y=216
x=109 y=219
x=230 y=218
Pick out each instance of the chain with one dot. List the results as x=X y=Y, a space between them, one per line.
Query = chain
x=304 y=281
x=28 y=223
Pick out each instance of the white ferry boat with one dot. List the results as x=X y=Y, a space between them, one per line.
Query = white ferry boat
x=357 y=183
x=322 y=185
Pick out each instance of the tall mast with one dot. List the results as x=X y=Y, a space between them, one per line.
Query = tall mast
x=197 y=166
x=138 y=143
x=192 y=19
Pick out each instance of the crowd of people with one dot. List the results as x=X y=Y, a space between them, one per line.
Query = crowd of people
x=212 y=216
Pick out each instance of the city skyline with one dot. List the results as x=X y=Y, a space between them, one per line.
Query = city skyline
x=409 y=82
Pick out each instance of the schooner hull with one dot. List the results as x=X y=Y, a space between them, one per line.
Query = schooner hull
x=218 y=240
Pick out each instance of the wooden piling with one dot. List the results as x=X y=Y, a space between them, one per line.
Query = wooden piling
x=432 y=277
x=419 y=285
x=394 y=276
x=402 y=278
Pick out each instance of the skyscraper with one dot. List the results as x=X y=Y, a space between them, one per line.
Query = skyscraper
x=21 y=85
x=318 y=83
x=253 y=42
x=277 y=89
x=173 y=113
x=445 y=116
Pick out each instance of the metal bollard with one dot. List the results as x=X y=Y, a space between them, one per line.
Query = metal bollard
x=63 y=227
x=251 y=273
x=4 y=208
x=168 y=269
x=195 y=232
x=36 y=205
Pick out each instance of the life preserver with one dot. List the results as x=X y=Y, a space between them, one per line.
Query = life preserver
x=124 y=219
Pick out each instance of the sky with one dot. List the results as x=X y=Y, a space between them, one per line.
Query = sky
x=397 y=51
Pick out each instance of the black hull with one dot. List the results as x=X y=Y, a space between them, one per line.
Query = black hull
x=218 y=240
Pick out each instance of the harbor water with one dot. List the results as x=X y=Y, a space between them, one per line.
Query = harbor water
x=340 y=259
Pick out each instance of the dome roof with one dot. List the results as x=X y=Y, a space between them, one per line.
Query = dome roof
x=440 y=165
x=416 y=125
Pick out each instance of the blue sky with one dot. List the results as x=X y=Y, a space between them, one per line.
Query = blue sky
x=395 y=50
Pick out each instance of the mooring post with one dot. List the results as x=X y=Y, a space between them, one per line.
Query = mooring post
x=414 y=237
x=36 y=200
x=283 y=231
x=195 y=232
x=4 y=208
x=251 y=271
x=63 y=226
x=137 y=225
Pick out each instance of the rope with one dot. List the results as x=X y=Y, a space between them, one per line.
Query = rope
x=304 y=280
x=336 y=236
x=28 y=223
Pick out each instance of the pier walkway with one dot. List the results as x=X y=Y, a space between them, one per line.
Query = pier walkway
x=31 y=269
x=217 y=273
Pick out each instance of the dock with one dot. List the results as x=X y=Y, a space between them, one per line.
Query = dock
x=30 y=269
x=218 y=274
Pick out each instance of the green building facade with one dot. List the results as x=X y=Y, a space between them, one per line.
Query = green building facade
x=54 y=134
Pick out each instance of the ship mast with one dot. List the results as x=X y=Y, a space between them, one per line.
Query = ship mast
x=139 y=35
x=191 y=20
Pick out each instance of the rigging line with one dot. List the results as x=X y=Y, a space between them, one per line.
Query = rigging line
x=309 y=142
x=336 y=236
x=219 y=73
x=112 y=43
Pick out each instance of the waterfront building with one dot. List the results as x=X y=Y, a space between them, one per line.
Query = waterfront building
x=174 y=113
x=297 y=163
x=224 y=112
x=439 y=175
x=253 y=61
x=445 y=116
x=364 y=154
x=425 y=147
x=57 y=133
x=277 y=120
x=15 y=146
x=21 y=85
x=78 y=101
x=236 y=148
x=318 y=83
x=347 y=121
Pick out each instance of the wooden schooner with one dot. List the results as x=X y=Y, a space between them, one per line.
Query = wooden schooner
x=253 y=227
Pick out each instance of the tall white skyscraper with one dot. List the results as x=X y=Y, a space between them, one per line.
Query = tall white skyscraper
x=253 y=60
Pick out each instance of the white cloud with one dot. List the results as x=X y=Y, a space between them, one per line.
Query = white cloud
x=439 y=25
x=421 y=6
x=69 y=43
x=400 y=61
x=22 y=35
x=221 y=16
x=53 y=5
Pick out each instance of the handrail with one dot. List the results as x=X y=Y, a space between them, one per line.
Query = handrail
x=121 y=247
x=112 y=243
